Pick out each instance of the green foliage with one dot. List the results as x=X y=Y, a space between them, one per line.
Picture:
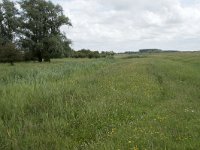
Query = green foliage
x=41 y=22
x=8 y=28
x=37 y=25
x=86 y=53
x=150 y=50
x=9 y=22
x=8 y=53
x=67 y=50
x=102 y=104
x=107 y=54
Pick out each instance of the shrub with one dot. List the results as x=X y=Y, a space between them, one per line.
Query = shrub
x=9 y=54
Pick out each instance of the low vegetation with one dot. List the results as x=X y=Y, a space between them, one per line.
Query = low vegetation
x=138 y=103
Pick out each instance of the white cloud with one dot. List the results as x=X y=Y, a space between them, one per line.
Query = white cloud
x=133 y=24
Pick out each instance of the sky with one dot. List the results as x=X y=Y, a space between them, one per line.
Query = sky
x=130 y=25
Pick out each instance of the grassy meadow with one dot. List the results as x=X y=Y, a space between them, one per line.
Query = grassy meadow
x=149 y=102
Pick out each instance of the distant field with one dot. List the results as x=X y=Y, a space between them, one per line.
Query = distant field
x=125 y=103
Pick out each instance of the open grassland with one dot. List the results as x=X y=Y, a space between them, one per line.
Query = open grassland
x=135 y=103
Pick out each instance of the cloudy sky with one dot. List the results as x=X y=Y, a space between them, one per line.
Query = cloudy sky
x=129 y=25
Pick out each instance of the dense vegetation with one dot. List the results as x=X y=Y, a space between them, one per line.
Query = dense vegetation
x=34 y=30
x=149 y=102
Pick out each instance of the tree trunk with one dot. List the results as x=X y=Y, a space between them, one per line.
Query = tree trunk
x=11 y=63
x=40 y=57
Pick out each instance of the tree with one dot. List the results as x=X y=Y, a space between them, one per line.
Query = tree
x=57 y=46
x=68 y=51
x=41 y=22
x=9 y=53
x=8 y=21
x=9 y=24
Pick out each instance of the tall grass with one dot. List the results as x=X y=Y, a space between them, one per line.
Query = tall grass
x=139 y=103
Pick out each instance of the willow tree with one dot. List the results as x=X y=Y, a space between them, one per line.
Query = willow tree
x=9 y=21
x=40 y=27
x=9 y=25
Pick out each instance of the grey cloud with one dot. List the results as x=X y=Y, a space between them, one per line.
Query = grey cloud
x=133 y=24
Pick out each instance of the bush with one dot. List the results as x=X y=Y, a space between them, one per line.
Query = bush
x=9 y=54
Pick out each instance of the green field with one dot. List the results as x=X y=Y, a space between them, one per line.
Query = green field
x=125 y=103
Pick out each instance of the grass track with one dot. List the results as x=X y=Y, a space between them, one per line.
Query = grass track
x=149 y=102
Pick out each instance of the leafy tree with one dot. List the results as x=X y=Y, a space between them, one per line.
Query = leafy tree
x=67 y=50
x=41 y=22
x=57 y=46
x=9 y=53
x=9 y=22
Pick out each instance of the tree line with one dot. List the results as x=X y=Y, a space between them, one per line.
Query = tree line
x=30 y=30
x=86 y=53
